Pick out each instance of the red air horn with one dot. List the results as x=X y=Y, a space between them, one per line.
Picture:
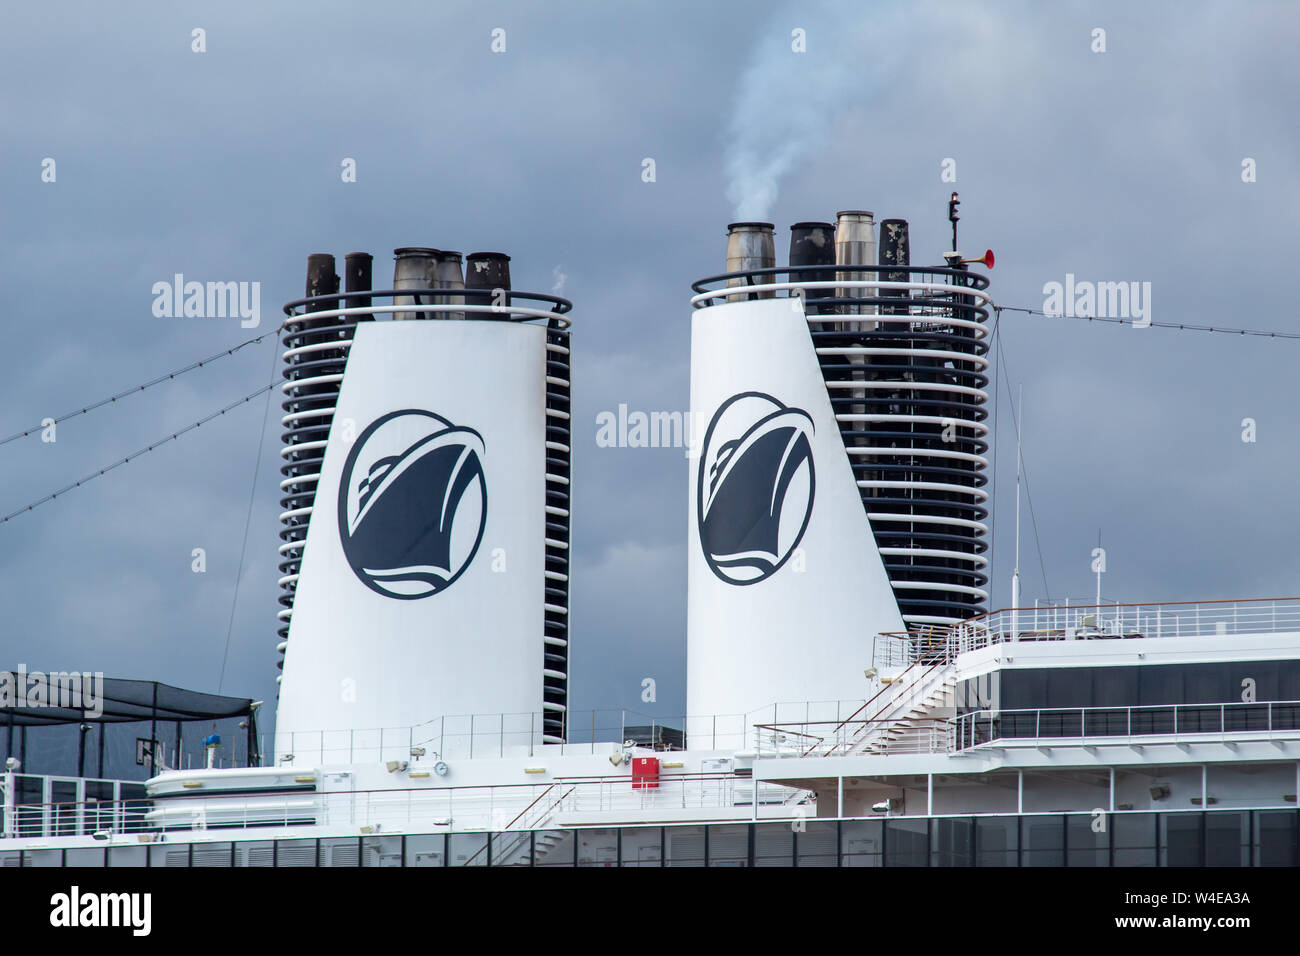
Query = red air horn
x=987 y=259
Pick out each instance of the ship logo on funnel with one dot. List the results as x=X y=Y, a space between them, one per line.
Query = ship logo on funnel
x=756 y=485
x=412 y=503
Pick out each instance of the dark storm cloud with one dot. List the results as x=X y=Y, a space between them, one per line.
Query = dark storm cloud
x=225 y=166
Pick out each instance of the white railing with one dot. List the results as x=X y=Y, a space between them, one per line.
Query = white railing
x=1091 y=621
x=501 y=808
x=1062 y=725
x=76 y=819
x=924 y=735
x=590 y=733
x=1068 y=622
x=924 y=683
x=1044 y=726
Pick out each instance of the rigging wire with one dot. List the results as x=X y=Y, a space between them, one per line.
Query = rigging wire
x=248 y=521
x=166 y=377
x=1024 y=470
x=136 y=454
x=1182 y=326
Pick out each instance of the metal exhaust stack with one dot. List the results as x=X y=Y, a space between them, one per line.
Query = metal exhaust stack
x=751 y=245
x=321 y=279
x=488 y=270
x=450 y=276
x=416 y=267
x=812 y=244
x=855 y=245
x=895 y=250
x=357 y=271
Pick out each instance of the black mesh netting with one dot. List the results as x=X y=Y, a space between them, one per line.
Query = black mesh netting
x=59 y=724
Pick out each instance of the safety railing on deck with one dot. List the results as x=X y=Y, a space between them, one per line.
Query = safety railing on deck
x=505 y=807
x=832 y=739
x=76 y=819
x=825 y=738
x=501 y=735
x=1057 y=725
x=1092 y=621
x=1069 y=622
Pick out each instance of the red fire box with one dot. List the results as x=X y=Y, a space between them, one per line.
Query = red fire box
x=645 y=773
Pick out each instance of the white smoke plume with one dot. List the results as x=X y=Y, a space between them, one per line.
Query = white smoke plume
x=788 y=102
x=558 y=278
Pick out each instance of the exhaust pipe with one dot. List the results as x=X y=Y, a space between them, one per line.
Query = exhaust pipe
x=855 y=245
x=895 y=250
x=450 y=276
x=357 y=268
x=812 y=244
x=488 y=270
x=750 y=245
x=321 y=279
x=415 y=268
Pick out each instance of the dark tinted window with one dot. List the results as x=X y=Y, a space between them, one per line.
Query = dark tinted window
x=1145 y=685
x=1087 y=839
x=952 y=842
x=1180 y=839
x=997 y=841
x=1227 y=839
x=907 y=842
x=1042 y=841
x=1134 y=838
x=1275 y=838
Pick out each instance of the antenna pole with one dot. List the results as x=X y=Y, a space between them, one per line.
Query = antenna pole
x=1015 y=572
x=1099 y=566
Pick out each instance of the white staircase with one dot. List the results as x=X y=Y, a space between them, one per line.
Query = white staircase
x=919 y=724
x=512 y=848
x=909 y=716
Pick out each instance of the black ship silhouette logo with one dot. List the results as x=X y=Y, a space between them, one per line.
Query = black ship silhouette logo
x=412 y=503
x=756 y=486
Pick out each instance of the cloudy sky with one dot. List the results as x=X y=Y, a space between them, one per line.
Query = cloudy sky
x=1123 y=165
